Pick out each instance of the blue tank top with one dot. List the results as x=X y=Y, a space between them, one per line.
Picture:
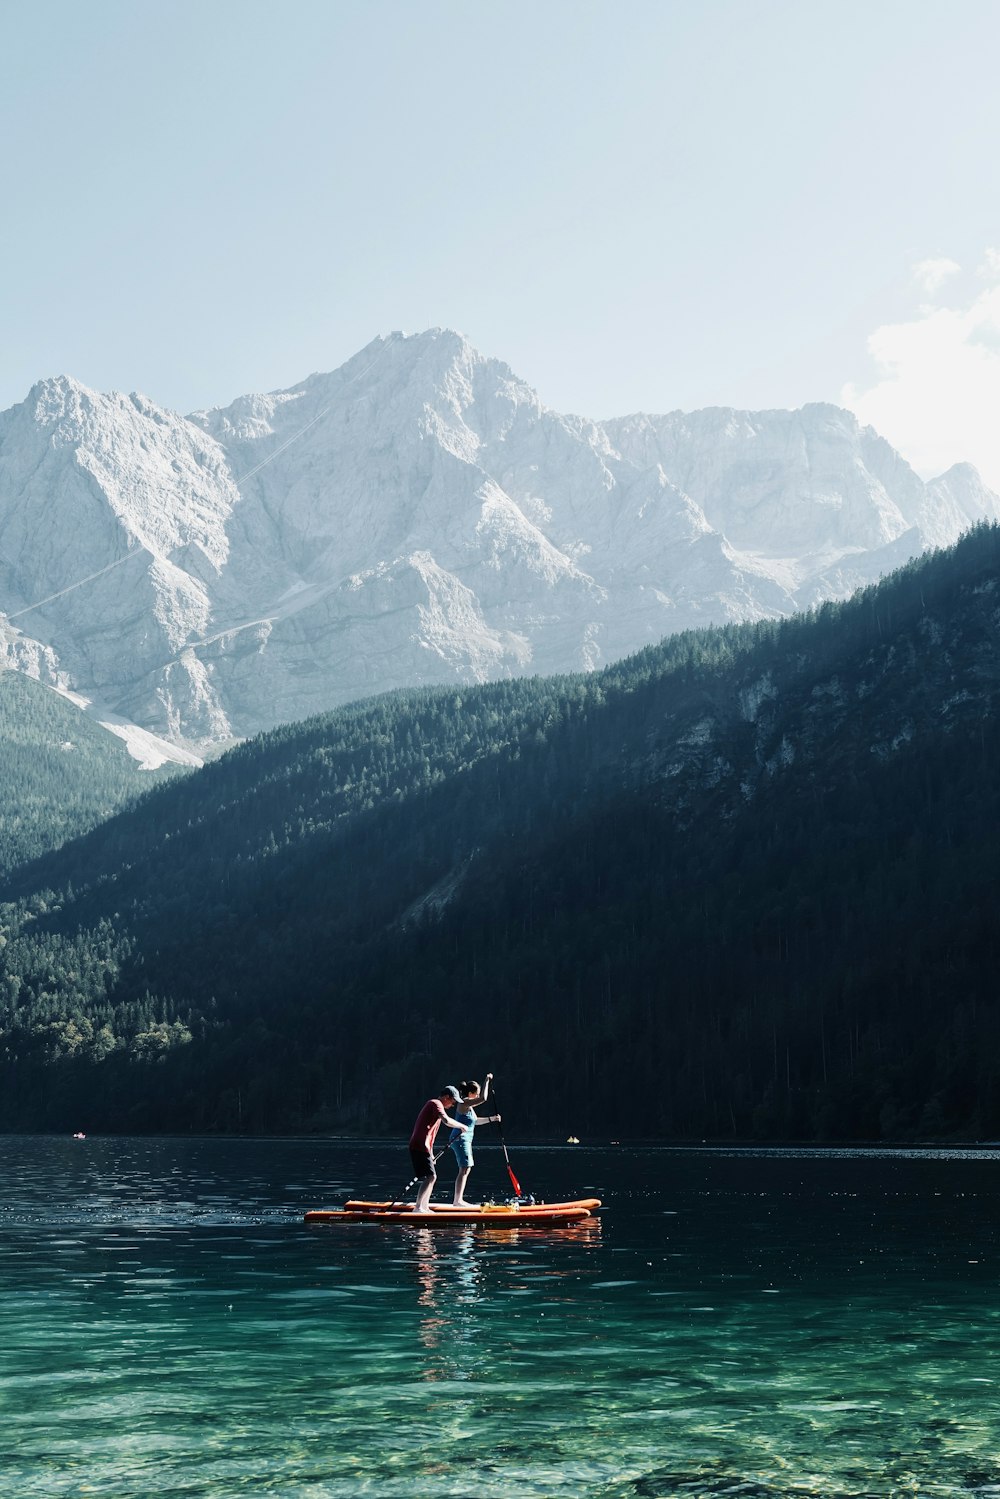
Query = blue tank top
x=458 y=1134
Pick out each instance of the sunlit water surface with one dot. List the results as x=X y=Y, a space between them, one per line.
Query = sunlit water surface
x=745 y=1323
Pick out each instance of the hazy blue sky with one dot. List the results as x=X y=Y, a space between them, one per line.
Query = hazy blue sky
x=637 y=205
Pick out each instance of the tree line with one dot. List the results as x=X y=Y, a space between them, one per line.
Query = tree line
x=739 y=883
x=61 y=773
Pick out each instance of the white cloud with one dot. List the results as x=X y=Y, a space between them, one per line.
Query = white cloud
x=930 y=274
x=937 y=395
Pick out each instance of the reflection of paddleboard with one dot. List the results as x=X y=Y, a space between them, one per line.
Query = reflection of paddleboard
x=499 y=1217
x=358 y=1205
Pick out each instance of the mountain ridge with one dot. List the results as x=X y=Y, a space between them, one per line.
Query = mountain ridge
x=418 y=516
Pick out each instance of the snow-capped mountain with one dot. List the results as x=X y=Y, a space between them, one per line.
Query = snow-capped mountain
x=416 y=517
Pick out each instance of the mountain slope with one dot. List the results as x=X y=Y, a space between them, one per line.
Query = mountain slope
x=744 y=876
x=61 y=774
x=417 y=517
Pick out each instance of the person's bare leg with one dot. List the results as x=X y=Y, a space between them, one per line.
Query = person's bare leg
x=423 y=1202
x=458 y=1200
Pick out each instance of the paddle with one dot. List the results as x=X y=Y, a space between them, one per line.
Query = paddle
x=510 y=1170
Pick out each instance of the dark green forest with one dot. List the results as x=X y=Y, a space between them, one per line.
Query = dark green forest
x=61 y=774
x=742 y=885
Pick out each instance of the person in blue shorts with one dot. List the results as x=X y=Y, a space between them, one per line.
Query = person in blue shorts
x=460 y=1139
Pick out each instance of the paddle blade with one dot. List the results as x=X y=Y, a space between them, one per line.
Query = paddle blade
x=514 y=1181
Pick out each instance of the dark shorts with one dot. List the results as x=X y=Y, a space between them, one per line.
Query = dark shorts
x=422 y=1162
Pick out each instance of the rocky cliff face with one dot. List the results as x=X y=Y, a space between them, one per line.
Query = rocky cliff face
x=417 y=516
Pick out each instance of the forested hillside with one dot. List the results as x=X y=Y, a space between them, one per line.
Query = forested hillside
x=60 y=773
x=741 y=884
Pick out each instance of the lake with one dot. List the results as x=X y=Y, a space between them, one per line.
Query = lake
x=738 y=1322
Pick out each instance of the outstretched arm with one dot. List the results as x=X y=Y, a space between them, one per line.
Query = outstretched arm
x=483 y=1095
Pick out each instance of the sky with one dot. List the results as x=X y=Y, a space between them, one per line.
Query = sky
x=637 y=204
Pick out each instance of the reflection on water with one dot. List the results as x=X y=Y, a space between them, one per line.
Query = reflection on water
x=752 y=1323
x=449 y=1282
x=450 y=1268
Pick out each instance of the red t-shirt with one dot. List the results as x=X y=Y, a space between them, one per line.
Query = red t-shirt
x=429 y=1121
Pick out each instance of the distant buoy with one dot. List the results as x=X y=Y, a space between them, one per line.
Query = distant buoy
x=572 y=1140
x=79 y=1136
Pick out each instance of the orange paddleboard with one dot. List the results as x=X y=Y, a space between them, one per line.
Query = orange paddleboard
x=498 y=1217
x=526 y=1209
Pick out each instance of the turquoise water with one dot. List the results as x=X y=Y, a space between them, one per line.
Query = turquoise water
x=751 y=1323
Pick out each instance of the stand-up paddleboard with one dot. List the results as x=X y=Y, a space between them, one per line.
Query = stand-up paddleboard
x=538 y=1216
x=359 y=1205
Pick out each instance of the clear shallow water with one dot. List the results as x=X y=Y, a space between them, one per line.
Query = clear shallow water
x=749 y=1323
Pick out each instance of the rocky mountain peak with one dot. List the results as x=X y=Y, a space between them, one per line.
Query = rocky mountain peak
x=416 y=516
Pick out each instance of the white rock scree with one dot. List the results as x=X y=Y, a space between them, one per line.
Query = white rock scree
x=416 y=517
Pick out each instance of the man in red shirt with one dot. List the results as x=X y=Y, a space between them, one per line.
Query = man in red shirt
x=429 y=1121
